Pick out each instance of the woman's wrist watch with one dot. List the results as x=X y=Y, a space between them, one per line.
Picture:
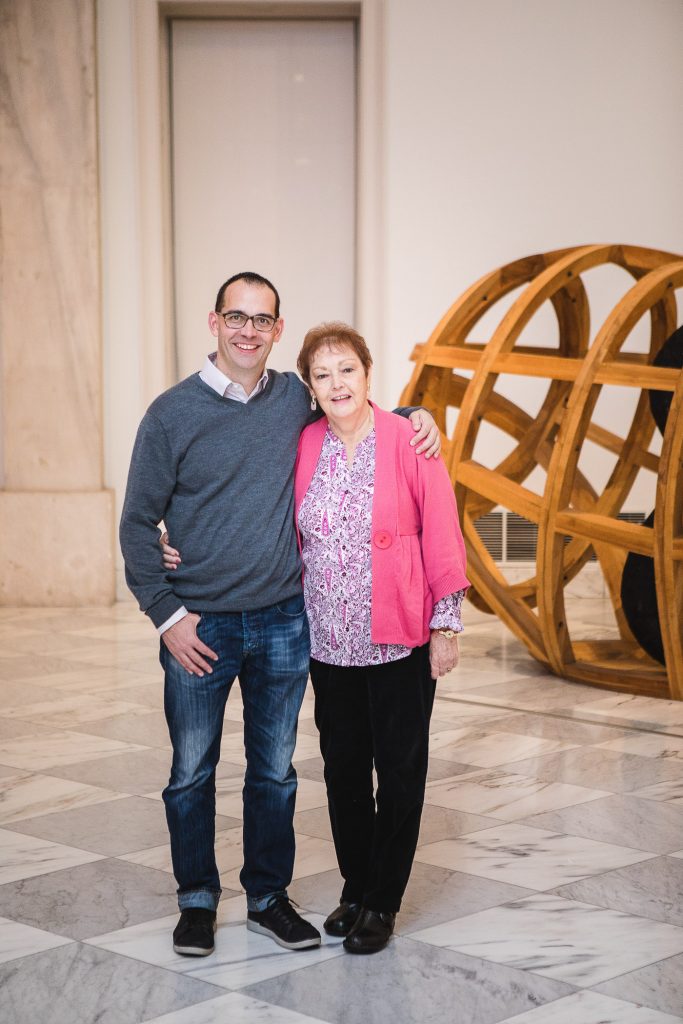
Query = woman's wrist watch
x=448 y=633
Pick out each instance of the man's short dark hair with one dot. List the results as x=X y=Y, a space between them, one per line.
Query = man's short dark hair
x=249 y=278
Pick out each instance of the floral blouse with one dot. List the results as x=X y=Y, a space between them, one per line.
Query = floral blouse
x=335 y=522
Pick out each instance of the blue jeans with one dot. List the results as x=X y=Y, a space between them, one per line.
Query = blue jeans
x=269 y=648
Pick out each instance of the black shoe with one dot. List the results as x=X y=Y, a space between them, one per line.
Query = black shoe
x=281 y=922
x=370 y=933
x=342 y=919
x=193 y=935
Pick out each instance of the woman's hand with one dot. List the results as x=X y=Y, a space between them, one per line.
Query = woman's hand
x=170 y=556
x=443 y=653
x=427 y=436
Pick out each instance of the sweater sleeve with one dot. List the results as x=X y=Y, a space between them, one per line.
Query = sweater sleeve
x=151 y=481
x=406 y=411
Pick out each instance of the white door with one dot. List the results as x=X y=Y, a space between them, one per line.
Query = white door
x=264 y=164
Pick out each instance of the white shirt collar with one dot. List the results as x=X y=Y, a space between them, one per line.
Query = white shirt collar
x=225 y=387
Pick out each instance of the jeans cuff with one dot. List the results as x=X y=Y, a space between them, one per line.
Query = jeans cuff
x=207 y=899
x=259 y=903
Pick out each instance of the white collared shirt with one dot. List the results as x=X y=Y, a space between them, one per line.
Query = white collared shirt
x=226 y=388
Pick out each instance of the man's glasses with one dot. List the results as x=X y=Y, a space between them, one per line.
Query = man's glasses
x=235 y=319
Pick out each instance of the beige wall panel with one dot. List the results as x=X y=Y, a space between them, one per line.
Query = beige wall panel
x=49 y=258
x=56 y=549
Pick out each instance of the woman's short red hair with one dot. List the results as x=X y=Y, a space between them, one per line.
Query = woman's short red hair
x=336 y=334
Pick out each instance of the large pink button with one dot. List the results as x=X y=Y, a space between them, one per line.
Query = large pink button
x=382 y=539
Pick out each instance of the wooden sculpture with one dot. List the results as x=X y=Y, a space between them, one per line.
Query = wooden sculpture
x=569 y=507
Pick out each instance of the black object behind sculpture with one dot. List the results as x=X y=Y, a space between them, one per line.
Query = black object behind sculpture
x=670 y=355
x=639 y=601
x=638 y=590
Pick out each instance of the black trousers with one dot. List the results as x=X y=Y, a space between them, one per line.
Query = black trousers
x=375 y=717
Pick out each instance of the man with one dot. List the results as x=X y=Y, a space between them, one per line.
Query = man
x=214 y=458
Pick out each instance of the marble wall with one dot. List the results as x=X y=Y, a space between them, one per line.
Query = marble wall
x=55 y=515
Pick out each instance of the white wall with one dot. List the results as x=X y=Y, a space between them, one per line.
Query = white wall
x=514 y=128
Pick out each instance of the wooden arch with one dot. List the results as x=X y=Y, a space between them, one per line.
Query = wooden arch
x=569 y=507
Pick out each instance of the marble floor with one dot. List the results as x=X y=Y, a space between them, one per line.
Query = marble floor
x=547 y=889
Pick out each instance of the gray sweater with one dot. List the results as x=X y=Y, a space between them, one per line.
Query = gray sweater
x=220 y=475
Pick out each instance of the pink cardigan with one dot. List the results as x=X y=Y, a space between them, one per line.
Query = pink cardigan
x=418 y=554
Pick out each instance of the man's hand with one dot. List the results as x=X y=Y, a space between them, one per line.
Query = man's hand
x=186 y=647
x=427 y=437
x=443 y=654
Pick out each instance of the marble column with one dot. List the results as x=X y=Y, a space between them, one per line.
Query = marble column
x=56 y=519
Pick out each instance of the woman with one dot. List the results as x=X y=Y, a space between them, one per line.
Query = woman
x=383 y=582
x=384 y=579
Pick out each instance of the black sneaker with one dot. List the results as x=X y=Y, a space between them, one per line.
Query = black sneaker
x=281 y=922
x=193 y=935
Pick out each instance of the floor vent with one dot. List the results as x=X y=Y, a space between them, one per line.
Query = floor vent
x=520 y=538
x=509 y=537
x=490 y=529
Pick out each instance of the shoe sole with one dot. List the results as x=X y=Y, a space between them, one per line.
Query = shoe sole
x=254 y=926
x=192 y=950
x=365 y=952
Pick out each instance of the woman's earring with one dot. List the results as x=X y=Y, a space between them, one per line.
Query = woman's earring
x=314 y=404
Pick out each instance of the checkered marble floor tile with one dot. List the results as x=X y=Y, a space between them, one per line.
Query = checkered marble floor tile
x=547 y=887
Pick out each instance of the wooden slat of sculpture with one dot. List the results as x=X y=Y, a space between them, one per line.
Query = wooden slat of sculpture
x=668 y=531
x=553 y=439
x=612 y=531
x=626 y=372
x=613 y=443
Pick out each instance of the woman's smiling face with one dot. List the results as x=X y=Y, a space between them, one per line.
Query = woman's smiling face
x=339 y=382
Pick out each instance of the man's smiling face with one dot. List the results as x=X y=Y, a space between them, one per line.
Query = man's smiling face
x=243 y=351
